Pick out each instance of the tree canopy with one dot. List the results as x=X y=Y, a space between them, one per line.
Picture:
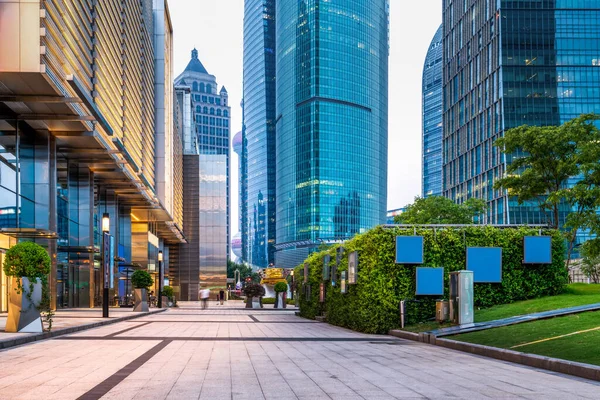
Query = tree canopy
x=440 y=210
x=556 y=168
x=245 y=271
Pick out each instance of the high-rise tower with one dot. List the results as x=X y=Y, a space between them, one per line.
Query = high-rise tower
x=332 y=122
x=432 y=118
x=507 y=64
x=211 y=123
x=259 y=130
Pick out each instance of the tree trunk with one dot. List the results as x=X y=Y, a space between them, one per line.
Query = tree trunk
x=248 y=301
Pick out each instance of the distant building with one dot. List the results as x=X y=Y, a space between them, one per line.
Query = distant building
x=207 y=179
x=258 y=234
x=392 y=213
x=432 y=119
x=332 y=123
x=240 y=238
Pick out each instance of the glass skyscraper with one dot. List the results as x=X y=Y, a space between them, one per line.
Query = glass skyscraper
x=432 y=119
x=332 y=122
x=259 y=131
x=506 y=64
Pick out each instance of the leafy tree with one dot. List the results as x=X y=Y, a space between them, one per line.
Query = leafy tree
x=590 y=262
x=440 y=210
x=245 y=271
x=544 y=161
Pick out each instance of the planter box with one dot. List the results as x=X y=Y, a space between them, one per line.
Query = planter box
x=280 y=301
x=140 y=298
x=23 y=315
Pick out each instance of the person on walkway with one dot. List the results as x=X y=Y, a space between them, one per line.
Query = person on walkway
x=222 y=296
x=204 y=293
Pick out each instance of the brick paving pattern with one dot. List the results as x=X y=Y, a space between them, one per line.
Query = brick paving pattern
x=228 y=352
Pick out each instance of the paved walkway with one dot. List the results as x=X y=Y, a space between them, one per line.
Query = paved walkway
x=233 y=353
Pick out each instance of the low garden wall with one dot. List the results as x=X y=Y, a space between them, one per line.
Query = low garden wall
x=372 y=304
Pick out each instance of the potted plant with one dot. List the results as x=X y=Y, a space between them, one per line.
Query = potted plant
x=280 y=292
x=168 y=292
x=29 y=265
x=141 y=280
x=252 y=291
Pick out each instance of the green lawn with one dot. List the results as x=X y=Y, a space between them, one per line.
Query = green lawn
x=576 y=294
x=581 y=347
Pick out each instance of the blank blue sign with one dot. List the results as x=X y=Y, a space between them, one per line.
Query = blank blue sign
x=486 y=264
x=409 y=249
x=430 y=281
x=538 y=250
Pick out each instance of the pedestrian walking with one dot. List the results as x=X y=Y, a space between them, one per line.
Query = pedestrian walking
x=222 y=296
x=204 y=293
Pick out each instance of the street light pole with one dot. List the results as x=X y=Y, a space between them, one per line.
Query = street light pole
x=160 y=278
x=105 y=263
x=293 y=288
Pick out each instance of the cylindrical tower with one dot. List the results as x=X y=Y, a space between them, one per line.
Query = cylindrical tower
x=332 y=106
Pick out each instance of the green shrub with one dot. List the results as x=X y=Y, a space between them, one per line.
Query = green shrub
x=271 y=300
x=168 y=291
x=141 y=279
x=280 y=287
x=372 y=305
x=27 y=259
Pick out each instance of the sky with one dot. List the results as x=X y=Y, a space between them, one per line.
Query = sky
x=215 y=29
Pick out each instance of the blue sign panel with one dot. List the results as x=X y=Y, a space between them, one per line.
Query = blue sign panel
x=430 y=281
x=486 y=264
x=537 y=249
x=409 y=249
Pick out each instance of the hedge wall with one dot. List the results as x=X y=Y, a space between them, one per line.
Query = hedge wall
x=372 y=304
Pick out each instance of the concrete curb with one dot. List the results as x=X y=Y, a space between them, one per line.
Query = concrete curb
x=8 y=343
x=580 y=370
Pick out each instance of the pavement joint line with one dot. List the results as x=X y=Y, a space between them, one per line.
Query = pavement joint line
x=109 y=383
x=555 y=337
x=128 y=329
x=253 y=318
x=237 y=339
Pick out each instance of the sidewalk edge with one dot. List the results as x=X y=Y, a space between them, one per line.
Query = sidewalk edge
x=13 y=342
x=581 y=370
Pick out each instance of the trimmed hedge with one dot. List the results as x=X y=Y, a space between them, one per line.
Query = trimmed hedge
x=372 y=305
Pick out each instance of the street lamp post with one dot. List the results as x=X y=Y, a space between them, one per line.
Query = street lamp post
x=105 y=262
x=160 y=278
x=293 y=288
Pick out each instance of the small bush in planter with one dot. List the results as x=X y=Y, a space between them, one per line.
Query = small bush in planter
x=281 y=287
x=169 y=292
x=253 y=290
x=30 y=260
x=27 y=259
x=141 y=279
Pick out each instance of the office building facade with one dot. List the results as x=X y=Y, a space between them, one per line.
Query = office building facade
x=507 y=64
x=206 y=184
x=332 y=107
x=259 y=129
x=432 y=119
x=86 y=117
